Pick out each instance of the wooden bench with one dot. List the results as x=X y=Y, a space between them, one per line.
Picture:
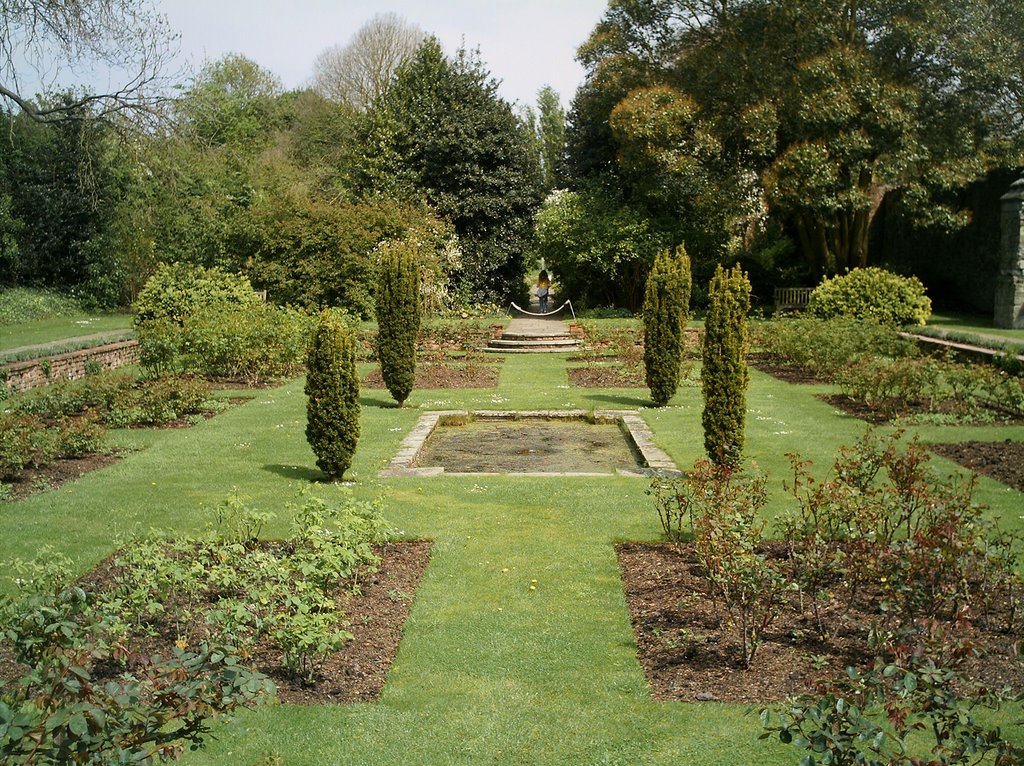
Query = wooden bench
x=792 y=298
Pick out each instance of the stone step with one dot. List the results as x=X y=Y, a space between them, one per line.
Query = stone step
x=530 y=349
x=516 y=342
x=527 y=336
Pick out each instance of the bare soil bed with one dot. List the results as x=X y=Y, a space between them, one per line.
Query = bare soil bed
x=56 y=474
x=787 y=373
x=617 y=374
x=1002 y=461
x=689 y=654
x=885 y=411
x=444 y=376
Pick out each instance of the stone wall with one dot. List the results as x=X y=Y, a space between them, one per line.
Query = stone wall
x=1009 y=292
x=20 y=376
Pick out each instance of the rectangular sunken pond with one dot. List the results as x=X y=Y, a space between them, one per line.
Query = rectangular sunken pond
x=557 y=442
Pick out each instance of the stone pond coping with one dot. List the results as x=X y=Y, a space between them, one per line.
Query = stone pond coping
x=657 y=461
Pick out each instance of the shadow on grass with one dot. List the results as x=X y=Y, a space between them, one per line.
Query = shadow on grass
x=300 y=472
x=619 y=399
x=382 y=402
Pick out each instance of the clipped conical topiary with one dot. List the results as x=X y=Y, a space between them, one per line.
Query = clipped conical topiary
x=724 y=374
x=666 y=306
x=332 y=388
x=398 y=317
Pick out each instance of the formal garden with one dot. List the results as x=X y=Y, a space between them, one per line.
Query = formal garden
x=835 y=563
x=382 y=420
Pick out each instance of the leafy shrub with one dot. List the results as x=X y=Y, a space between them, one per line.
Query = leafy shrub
x=872 y=293
x=27 y=441
x=160 y=342
x=957 y=390
x=724 y=375
x=883 y=519
x=244 y=591
x=157 y=401
x=723 y=507
x=178 y=291
x=825 y=346
x=119 y=399
x=255 y=341
x=332 y=388
x=886 y=714
x=79 y=437
x=666 y=305
x=398 y=317
x=59 y=712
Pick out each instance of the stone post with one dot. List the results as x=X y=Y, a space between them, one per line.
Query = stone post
x=1009 y=303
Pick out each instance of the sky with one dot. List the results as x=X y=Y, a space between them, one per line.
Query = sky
x=526 y=44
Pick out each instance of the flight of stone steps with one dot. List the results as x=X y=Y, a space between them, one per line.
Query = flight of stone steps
x=534 y=336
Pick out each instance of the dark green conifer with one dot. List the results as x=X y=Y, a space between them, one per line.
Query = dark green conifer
x=398 y=317
x=666 y=306
x=724 y=373
x=332 y=388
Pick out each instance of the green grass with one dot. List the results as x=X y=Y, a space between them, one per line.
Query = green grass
x=972 y=324
x=60 y=329
x=488 y=672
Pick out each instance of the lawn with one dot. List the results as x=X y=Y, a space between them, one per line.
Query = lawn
x=973 y=324
x=488 y=672
x=60 y=329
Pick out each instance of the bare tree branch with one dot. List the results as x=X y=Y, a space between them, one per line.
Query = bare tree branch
x=360 y=71
x=45 y=43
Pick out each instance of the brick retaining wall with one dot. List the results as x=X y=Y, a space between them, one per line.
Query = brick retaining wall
x=21 y=376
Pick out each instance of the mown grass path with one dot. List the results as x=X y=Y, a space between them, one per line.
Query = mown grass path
x=488 y=672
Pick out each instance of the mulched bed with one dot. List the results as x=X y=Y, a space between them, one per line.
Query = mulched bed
x=885 y=411
x=787 y=373
x=443 y=376
x=1002 y=461
x=60 y=472
x=608 y=376
x=688 y=655
x=356 y=673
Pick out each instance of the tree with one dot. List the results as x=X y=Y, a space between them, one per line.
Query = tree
x=359 y=72
x=666 y=305
x=551 y=134
x=232 y=102
x=398 y=317
x=599 y=245
x=472 y=165
x=65 y=182
x=817 y=108
x=332 y=388
x=43 y=41
x=724 y=375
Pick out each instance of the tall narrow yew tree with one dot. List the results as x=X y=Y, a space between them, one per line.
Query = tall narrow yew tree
x=332 y=388
x=398 y=317
x=724 y=375
x=666 y=305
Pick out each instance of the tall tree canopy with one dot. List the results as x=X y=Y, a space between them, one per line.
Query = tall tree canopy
x=441 y=131
x=810 y=109
x=551 y=133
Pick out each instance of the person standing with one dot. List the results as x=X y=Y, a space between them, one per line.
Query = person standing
x=543 y=289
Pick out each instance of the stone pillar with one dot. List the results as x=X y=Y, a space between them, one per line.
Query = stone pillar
x=1009 y=304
